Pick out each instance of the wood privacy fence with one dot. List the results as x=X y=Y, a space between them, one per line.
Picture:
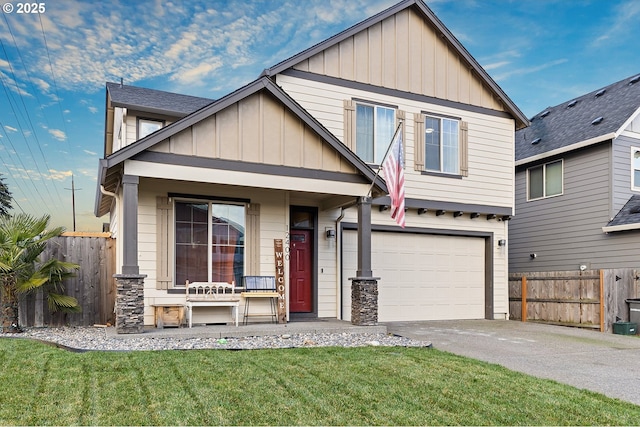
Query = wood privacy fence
x=593 y=299
x=94 y=286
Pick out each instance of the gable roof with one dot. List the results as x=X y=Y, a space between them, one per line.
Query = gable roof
x=595 y=117
x=423 y=10
x=113 y=161
x=628 y=218
x=154 y=101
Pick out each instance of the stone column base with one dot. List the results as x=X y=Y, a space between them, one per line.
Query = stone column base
x=364 y=301
x=129 y=303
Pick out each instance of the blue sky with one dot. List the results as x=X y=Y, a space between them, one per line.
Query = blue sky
x=54 y=65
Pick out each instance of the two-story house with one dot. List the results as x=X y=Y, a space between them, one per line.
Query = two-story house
x=578 y=184
x=290 y=155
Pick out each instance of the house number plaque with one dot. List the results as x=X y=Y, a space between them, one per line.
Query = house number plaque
x=282 y=301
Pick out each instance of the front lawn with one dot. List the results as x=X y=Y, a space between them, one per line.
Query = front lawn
x=43 y=385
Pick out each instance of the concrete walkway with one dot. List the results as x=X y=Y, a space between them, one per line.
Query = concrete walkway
x=601 y=362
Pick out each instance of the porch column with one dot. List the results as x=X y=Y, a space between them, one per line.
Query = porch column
x=129 y=233
x=364 y=287
x=130 y=283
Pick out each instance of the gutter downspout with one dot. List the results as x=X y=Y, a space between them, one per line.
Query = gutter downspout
x=339 y=263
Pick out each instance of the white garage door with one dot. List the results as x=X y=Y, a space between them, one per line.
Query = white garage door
x=422 y=276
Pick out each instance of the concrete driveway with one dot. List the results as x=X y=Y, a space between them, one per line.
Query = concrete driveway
x=601 y=362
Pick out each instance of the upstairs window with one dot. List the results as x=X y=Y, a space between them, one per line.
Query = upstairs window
x=148 y=126
x=375 y=126
x=545 y=180
x=442 y=148
x=635 y=169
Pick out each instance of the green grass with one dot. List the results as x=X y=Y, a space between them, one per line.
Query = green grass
x=43 y=385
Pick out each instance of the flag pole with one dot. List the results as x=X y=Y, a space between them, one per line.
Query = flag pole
x=393 y=138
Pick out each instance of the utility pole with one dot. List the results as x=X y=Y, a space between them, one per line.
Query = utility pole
x=73 y=200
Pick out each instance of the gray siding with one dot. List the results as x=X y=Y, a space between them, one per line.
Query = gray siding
x=565 y=231
x=622 y=171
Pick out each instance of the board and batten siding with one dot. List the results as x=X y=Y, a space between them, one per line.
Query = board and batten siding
x=406 y=53
x=491 y=142
x=622 y=165
x=565 y=231
x=257 y=129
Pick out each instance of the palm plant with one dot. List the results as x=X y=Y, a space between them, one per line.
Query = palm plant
x=22 y=239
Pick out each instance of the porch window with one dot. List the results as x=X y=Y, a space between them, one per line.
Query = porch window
x=442 y=145
x=544 y=180
x=210 y=240
x=635 y=169
x=148 y=126
x=374 y=129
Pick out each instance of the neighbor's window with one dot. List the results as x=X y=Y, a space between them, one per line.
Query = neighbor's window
x=442 y=151
x=635 y=168
x=148 y=126
x=545 y=180
x=209 y=242
x=374 y=129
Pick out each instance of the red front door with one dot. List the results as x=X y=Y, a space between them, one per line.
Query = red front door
x=300 y=266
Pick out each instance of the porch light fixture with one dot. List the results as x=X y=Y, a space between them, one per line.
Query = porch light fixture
x=422 y=211
x=330 y=233
x=502 y=242
x=440 y=212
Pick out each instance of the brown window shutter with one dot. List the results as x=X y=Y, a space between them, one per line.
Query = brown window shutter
x=418 y=136
x=252 y=240
x=464 y=148
x=164 y=245
x=349 y=138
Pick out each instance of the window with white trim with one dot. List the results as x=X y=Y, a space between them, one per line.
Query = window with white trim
x=209 y=242
x=442 y=148
x=148 y=126
x=375 y=126
x=635 y=168
x=545 y=180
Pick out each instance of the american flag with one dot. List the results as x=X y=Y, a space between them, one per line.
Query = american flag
x=393 y=168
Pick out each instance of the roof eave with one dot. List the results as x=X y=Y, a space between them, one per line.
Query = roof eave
x=566 y=149
x=623 y=227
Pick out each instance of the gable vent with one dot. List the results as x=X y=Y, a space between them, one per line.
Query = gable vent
x=635 y=79
x=597 y=121
x=545 y=113
x=535 y=141
x=600 y=92
x=572 y=103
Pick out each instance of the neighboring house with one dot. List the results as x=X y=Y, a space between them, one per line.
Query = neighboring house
x=578 y=184
x=291 y=154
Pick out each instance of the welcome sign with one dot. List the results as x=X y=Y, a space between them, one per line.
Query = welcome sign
x=280 y=287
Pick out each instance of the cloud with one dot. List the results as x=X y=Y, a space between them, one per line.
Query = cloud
x=530 y=70
x=496 y=65
x=58 y=134
x=10 y=129
x=93 y=110
x=59 y=175
x=195 y=74
x=627 y=16
x=91 y=153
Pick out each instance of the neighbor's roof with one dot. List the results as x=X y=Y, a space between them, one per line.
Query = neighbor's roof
x=595 y=117
x=627 y=219
x=154 y=101
x=427 y=13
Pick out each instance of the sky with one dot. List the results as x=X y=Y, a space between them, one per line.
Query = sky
x=54 y=66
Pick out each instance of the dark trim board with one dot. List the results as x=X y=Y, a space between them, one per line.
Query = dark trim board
x=335 y=81
x=488 y=254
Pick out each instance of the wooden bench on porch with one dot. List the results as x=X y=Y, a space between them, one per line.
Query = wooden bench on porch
x=211 y=294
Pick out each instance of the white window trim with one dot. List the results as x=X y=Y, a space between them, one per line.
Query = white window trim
x=544 y=180
x=632 y=180
x=375 y=136
x=441 y=144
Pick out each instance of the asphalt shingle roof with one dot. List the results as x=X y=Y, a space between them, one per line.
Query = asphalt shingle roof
x=629 y=214
x=157 y=101
x=571 y=122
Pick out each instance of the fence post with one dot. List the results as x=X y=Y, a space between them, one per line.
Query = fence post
x=602 y=325
x=523 y=312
